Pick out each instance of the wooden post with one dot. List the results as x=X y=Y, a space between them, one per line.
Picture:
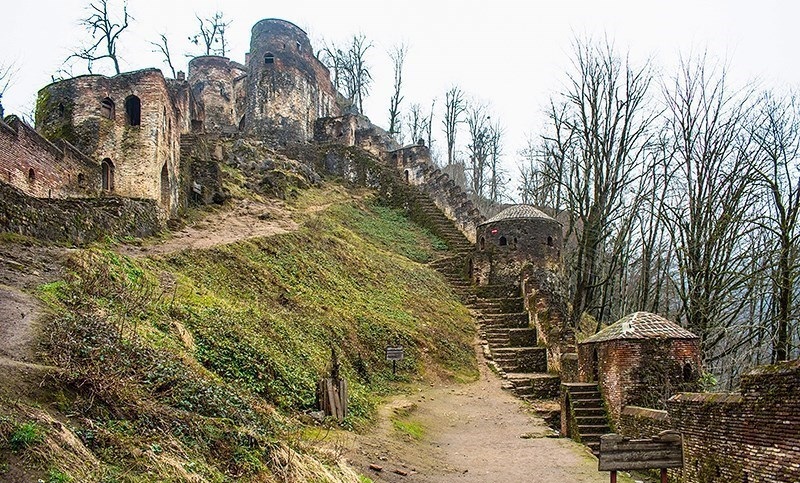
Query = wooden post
x=663 y=475
x=614 y=476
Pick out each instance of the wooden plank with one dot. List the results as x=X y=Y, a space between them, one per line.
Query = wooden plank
x=619 y=453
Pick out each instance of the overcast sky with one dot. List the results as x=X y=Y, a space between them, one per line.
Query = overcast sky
x=510 y=54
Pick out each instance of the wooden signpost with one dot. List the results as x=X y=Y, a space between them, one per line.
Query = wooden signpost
x=660 y=452
x=394 y=354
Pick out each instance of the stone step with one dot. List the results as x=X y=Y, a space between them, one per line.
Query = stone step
x=591 y=420
x=587 y=403
x=589 y=412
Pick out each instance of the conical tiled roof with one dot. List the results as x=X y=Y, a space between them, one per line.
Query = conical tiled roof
x=641 y=325
x=517 y=212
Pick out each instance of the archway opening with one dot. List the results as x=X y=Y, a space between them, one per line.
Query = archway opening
x=503 y=241
x=31 y=175
x=133 y=111
x=107 y=168
x=165 y=185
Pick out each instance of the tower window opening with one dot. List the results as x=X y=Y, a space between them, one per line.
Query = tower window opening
x=549 y=241
x=107 y=108
x=503 y=241
x=687 y=372
x=269 y=58
x=108 y=174
x=482 y=243
x=31 y=175
x=299 y=46
x=133 y=111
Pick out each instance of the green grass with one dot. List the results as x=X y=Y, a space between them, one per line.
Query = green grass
x=263 y=317
x=413 y=429
x=25 y=435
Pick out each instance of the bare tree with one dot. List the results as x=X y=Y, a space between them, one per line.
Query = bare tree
x=496 y=171
x=398 y=56
x=776 y=133
x=709 y=196
x=162 y=47
x=454 y=108
x=335 y=60
x=105 y=32
x=417 y=122
x=211 y=36
x=7 y=73
x=598 y=134
x=430 y=125
x=478 y=122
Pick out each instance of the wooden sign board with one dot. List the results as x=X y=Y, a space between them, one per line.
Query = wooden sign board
x=394 y=353
x=659 y=452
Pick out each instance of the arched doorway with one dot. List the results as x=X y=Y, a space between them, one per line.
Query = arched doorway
x=107 y=168
x=165 y=188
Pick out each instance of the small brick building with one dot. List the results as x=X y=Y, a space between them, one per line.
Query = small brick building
x=641 y=360
x=518 y=235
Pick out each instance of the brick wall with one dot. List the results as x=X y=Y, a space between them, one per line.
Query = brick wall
x=43 y=169
x=752 y=436
x=76 y=221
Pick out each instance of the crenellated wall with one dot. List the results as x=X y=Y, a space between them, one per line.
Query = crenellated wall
x=42 y=169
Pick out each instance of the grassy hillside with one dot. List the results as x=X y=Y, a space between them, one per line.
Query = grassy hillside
x=199 y=365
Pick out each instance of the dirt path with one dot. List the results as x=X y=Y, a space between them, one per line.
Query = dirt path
x=247 y=219
x=470 y=433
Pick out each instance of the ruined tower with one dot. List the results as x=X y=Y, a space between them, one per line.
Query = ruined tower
x=288 y=88
x=219 y=84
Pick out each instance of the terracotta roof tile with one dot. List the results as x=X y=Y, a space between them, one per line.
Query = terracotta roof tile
x=641 y=325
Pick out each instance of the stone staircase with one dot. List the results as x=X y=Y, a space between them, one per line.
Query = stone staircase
x=510 y=345
x=587 y=414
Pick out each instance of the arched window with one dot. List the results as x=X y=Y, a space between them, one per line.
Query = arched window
x=81 y=180
x=165 y=185
x=482 y=243
x=107 y=168
x=503 y=241
x=549 y=241
x=107 y=108
x=406 y=173
x=269 y=58
x=31 y=175
x=133 y=111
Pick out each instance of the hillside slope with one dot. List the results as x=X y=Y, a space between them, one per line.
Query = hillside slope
x=198 y=365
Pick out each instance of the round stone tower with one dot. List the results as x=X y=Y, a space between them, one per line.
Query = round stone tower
x=219 y=83
x=513 y=238
x=288 y=88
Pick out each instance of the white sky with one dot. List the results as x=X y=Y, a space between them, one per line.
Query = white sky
x=511 y=54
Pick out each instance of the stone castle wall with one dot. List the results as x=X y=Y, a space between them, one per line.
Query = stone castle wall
x=288 y=88
x=76 y=221
x=129 y=121
x=418 y=170
x=42 y=169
